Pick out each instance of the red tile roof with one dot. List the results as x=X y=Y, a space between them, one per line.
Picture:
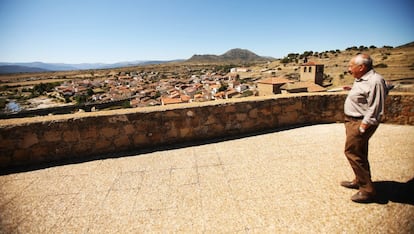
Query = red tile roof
x=166 y=101
x=312 y=87
x=181 y=99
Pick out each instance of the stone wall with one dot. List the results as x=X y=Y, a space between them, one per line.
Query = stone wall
x=90 y=135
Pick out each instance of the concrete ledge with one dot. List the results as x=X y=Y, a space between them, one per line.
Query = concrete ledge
x=37 y=140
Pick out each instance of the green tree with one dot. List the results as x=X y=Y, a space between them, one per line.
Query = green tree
x=362 y=48
x=2 y=103
x=81 y=99
x=90 y=92
x=223 y=87
x=126 y=104
x=285 y=60
x=247 y=93
x=157 y=95
x=4 y=87
x=351 y=48
x=42 y=88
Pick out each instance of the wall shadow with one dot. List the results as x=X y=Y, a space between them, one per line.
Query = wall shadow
x=75 y=159
x=393 y=191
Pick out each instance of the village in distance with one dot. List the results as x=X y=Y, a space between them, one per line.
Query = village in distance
x=236 y=74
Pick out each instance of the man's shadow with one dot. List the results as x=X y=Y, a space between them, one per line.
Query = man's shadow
x=395 y=192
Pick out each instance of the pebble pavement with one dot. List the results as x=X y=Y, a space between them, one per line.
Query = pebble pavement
x=283 y=181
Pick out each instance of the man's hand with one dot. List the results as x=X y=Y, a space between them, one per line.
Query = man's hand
x=363 y=127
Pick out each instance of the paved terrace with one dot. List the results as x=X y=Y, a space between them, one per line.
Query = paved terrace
x=284 y=181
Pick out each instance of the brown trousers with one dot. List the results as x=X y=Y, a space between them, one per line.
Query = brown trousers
x=356 y=151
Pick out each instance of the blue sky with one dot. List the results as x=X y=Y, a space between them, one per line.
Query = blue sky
x=80 y=31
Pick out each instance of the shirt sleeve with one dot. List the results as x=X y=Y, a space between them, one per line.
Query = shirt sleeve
x=375 y=103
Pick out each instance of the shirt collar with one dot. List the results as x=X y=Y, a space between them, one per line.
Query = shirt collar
x=366 y=75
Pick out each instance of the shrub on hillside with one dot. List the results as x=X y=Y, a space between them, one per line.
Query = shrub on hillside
x=381 y=65
x=3 y=103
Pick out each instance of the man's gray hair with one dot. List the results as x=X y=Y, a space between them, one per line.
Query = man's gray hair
x=363 y=59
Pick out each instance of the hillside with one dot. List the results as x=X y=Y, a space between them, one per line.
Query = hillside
x=393 y=63
x=231 y=56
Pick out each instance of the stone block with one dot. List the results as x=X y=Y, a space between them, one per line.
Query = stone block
x=89 y=133
x=29 y=139
x=411 y=120
x=241 y=117
x=103 y=144
x=293 y=107
x=21 y=156
x=211 y=119
x=287 y=118
x=253 y=113
x=53 y=135
x=216 y=129
x=5 y=160
x=118 y=118
x=129 y=129
x=122 y=141
x=265 y=111
x=81 y=148
x=172 y=131
x=276 y=109
x=140 y=139
x=43 y=150
x=7 y=144
x=108 y=132
x=185 y=132
x=71 y=136
x=230 y=108
x=172 y=114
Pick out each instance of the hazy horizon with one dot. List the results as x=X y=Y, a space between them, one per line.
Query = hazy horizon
x=108 y=31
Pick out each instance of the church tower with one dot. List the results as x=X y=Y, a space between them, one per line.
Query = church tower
x=312 y=72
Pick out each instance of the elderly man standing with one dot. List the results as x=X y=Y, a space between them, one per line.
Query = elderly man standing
x=363 y=109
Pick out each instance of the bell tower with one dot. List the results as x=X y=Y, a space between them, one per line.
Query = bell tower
x=312 y=72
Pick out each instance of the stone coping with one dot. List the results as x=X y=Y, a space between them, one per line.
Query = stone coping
x=18 y=121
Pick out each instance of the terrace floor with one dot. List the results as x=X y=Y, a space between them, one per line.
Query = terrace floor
x=283 y=181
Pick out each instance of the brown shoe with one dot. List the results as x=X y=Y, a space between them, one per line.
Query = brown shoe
x=350 y=184
x=361 y=197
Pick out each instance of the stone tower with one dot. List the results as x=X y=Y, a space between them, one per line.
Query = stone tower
x=312 y=72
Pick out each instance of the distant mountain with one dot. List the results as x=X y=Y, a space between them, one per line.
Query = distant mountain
x=234 y=55
x=135 y=63
x=6 y=68
x=34 y=67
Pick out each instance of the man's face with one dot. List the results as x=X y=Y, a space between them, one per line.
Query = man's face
x=355 y=70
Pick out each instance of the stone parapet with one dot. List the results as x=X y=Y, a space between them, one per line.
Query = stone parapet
x=36 y=140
